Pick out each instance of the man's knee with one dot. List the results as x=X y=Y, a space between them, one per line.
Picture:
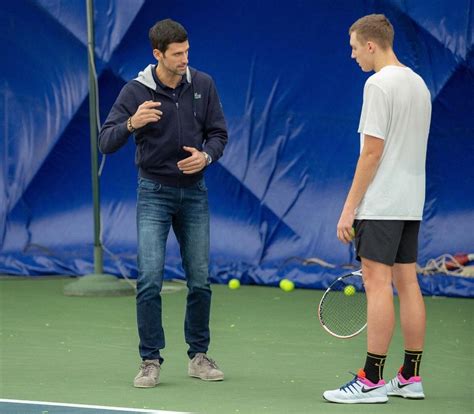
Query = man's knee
x=376 y=275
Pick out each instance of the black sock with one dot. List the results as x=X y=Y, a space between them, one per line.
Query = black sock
x=411 y=366
x=374 y=367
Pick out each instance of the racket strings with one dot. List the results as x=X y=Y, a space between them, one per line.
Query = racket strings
x=344 y=315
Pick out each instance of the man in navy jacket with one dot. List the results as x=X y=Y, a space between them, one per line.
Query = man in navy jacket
x=176 y=117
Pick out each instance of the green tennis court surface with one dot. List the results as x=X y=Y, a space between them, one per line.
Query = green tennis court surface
x=41 y=407
x=276 y=357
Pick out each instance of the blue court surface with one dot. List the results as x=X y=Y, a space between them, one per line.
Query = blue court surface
x=43 y=407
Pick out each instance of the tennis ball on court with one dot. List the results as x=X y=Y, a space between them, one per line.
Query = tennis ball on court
x=234 y=284
x=349 y=290
x=286 y=285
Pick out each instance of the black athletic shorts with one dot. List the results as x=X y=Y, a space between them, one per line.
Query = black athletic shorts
x=387 y=241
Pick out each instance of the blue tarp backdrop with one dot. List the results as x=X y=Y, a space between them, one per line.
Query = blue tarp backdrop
x=292 y=98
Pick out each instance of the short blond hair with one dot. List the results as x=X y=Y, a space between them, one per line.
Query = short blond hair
x=376 y=28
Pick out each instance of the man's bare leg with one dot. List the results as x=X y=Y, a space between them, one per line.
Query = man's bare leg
x=412 y=306
x=380 y=309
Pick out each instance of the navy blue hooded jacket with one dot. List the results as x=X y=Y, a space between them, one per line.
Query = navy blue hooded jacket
x=194 y=119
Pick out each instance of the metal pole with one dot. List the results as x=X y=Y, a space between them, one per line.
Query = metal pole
x=98 y=256
x=98 y=283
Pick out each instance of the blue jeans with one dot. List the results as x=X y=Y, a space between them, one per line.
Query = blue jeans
x=186 y=210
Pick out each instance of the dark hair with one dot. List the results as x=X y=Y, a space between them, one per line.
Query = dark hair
x=374 y=27
x=165 y=32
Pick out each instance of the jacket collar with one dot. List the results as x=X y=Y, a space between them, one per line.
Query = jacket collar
x=146 y=77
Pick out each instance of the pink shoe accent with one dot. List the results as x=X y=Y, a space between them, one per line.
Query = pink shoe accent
x=411 y=380
x=366 y=381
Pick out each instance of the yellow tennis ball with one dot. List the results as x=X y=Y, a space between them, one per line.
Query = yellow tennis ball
x=349 y=290
x=353 y=232
x=286 y=285
x=234 y=284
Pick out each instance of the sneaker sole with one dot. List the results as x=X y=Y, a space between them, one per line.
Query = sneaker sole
x=207 y=379
x=409 y=397
x=145 y=386
x=374 y=400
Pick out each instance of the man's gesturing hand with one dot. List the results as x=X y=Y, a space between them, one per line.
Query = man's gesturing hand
x=194 y=163
x=146 y=113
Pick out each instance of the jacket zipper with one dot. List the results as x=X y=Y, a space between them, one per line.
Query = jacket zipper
x=179 y=138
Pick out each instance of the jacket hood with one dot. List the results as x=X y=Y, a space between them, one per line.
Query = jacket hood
x=145 y=77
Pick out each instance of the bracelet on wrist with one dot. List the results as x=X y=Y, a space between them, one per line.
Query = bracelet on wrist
x=129 y=125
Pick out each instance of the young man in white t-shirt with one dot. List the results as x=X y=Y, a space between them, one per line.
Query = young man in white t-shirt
x=385 y=207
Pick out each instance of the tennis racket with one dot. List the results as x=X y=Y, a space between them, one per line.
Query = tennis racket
x=343 y=308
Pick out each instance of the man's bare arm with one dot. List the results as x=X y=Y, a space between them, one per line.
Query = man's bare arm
x=365 y=171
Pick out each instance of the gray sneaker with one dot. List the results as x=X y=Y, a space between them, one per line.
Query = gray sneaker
x=204 y=368
x=149 y=374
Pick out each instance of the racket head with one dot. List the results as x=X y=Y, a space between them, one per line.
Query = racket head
x=343 y=314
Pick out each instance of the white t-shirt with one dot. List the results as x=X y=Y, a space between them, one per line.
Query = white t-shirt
x=397 y=109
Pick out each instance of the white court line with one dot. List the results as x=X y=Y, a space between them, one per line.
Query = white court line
x=98 y=407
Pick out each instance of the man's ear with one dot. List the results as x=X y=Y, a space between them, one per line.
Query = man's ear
x=371 y=46
x=157 y=54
